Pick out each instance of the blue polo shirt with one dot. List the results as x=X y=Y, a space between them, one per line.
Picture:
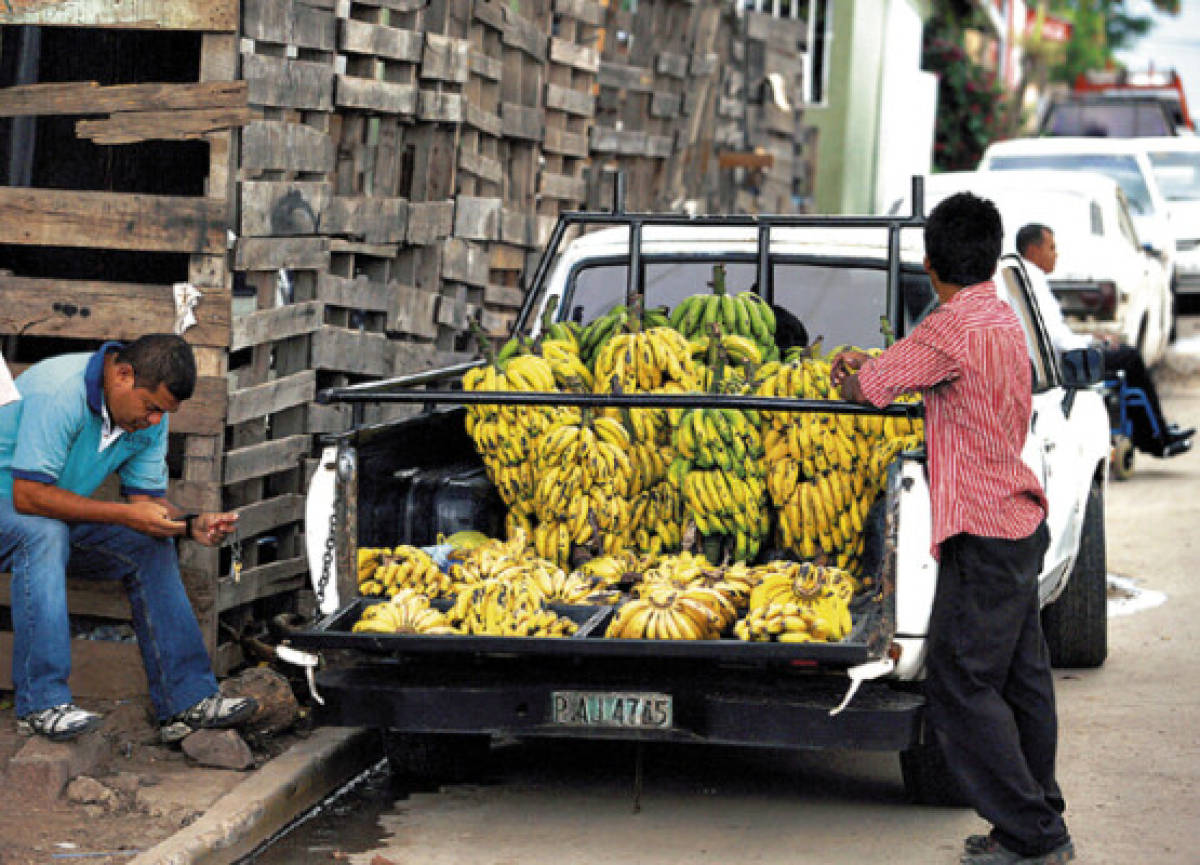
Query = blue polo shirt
x=52 y=434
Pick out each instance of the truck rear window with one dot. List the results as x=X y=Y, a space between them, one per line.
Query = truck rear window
x=1107 y=120
x=842 y=304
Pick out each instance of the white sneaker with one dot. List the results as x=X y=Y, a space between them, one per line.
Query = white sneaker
x=214 y=712
x=59 y=723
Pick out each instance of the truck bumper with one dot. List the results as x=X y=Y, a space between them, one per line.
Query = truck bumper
x=771 y=713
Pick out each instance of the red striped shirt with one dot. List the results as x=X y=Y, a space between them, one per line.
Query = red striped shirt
x=968 y=359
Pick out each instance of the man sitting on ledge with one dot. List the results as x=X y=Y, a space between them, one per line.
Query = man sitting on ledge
x=80 y=418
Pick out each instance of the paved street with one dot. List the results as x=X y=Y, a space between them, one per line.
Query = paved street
x=1130 y=754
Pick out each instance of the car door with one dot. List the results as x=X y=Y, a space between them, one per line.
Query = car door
x=1147 y=278
x=1049 y=449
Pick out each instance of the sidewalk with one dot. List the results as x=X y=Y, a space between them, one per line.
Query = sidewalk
x=118 y=796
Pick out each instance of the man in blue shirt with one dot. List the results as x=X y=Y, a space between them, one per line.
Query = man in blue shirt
x=82 y=417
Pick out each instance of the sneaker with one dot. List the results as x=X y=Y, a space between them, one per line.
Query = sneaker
x=980 y=844
x=216 y=712
x=59 y=723
x=1000 y=855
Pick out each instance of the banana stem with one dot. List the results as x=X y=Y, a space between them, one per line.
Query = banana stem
x=485 y=345
x=885 y=327
x=718 y=280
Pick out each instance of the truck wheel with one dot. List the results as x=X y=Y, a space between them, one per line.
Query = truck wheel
x=1122 y=458
x=434 y=757
x=927 y=778
x=1076 y=625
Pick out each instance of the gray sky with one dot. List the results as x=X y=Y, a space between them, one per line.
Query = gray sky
x=1174 y=42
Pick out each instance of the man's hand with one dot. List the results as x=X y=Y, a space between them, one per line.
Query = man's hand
x=151 y=518
x=846 y=363
x=211 y=529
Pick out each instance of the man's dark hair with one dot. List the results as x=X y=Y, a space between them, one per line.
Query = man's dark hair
x=790 y=332
x=963 y=235
x=1030 y=235
x=161 y=358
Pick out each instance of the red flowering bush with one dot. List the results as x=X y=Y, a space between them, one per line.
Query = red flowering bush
x=970 y=104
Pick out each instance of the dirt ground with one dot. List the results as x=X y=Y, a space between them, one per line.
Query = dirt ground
x=143 y=793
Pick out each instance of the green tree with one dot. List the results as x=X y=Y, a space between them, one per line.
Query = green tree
x=1100 y=28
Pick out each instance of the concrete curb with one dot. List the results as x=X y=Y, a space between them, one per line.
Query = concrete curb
x=269 y=799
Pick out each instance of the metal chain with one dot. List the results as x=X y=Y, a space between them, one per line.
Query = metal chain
x=330 y=544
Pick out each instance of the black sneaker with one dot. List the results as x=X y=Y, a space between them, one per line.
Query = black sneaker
x=216 y=712
x=59 y=723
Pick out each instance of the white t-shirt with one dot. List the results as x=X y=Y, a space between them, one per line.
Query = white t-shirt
x=8 y=390
x=1061 y=336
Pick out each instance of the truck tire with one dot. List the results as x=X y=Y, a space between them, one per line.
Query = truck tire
x=433 y=758
x=1076 y=624
x=927 y=778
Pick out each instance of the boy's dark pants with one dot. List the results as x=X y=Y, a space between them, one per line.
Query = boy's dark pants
x=989 y=687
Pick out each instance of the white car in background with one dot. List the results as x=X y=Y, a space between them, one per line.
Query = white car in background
x=1105 y=281
x=1122 y=159
x=1176 y=165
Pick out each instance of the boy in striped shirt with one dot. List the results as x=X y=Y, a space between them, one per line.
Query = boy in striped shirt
x=990 y=695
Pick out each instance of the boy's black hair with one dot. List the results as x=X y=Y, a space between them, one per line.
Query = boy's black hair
x=161 y=358
x=790 y=332
x=1029 y=235
x=963 y=235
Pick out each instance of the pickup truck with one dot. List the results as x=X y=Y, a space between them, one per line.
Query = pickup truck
x=440 y=699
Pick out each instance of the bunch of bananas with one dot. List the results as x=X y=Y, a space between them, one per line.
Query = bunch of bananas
x=616 y=320
x=799 y=602
x=504 y=608
x=666 y=612
x=611 y=569
x=644 y=361
x=720 y=469
x=408 y=612
x=388 y=571
x=558 y=587
x=690 y=571
x=658 y=514
x=744 y=314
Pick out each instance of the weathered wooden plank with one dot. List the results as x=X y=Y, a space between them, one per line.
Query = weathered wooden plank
x=276 y=146
x=437 y=107
x=99 y=669
x=266 y=458
x=524 y=35
x=484 y=121
x=108 y=220
x=394 y=43
x=386 y=97
x=665 y=105
x=478 y=165
x=477 y=218
x=219 y=15
x=413 y=311
x=506 y=257
x=464 y=262
x=491 y=68
x=503 y=295
x=585 y=58
x=587 y=11
x=254 y=519
x=429 y=221
x=128 y=127
x=354 y=247
x=516 y=227
x=105 y=310
x=88 y=97
x=560 y=141
x=273 y=253
x=271 y=325
x=264 y=581
x=581 y=103
x=204 y=413
x=290 y=22
x=198 y=496
x=394 y=5
x=352 y=351
x=358 y=293
x=279 y=81
x=522 y=121
x=674 y=65
x=446 y=59
x=265 y=399
x=635 y=78
x=375 y=219
x=562 y=187
x=283 y=209
x=489 y=12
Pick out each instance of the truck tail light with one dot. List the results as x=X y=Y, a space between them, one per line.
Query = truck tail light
x=1097 y=300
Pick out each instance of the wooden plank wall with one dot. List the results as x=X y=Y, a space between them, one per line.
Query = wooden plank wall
x=43 y=312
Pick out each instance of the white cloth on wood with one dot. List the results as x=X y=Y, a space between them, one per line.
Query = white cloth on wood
x=8 y=390
x=186 y=298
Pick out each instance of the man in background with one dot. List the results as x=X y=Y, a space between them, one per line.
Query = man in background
x=1151 y=434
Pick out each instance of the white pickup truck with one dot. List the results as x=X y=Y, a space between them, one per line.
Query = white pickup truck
x=409 y=481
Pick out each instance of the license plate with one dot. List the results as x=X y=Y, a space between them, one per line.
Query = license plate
x=639 y=710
